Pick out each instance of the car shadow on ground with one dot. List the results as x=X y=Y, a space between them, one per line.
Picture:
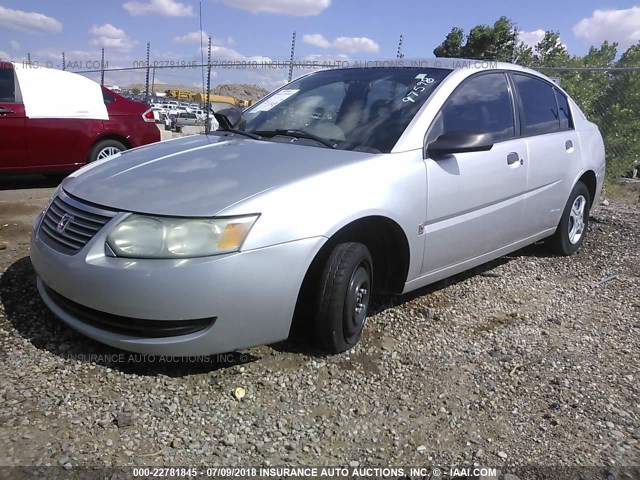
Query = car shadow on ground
x=23 y=182
x=33 y=321
x=301 y=339
x=485 y=270
x=26 y=312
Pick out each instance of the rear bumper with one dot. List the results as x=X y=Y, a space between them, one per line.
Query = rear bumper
x=144 y=134
x=133 y=128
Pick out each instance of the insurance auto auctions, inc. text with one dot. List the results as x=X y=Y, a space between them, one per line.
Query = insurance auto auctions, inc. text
x=370 y=472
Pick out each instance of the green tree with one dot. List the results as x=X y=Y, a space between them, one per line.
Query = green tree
x=608 y=97
x=605 y=56
x=620 y=111
x=588 y=87
x=523 y=55
x=451 y=47
x=495 y=42
x=550 y=52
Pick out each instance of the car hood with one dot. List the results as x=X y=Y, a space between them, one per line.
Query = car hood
x=199 y=175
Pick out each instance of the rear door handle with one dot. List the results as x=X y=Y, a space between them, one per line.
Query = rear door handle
x=512 y=158
x=568 y=145
x=5 y=110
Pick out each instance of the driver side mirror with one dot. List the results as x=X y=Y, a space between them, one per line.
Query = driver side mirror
x=228 y=116
x=460 y=142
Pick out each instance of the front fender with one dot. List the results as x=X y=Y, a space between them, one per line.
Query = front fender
x=388 y=185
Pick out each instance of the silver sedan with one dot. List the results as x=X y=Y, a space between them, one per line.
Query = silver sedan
x=341 y=184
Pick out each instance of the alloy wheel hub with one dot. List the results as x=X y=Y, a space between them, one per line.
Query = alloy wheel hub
x=576 y=219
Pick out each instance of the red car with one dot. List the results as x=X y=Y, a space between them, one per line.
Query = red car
x=53 y=121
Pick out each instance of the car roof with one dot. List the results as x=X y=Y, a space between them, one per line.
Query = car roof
x=462 y=67
x=445 y=63
x=419 y=62
x=53 y=93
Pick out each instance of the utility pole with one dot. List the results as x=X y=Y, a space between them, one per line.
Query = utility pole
x=207 y=124
x=293 y=51
x=146 y=89
x=64 y=64
x=400 y=55
x=202 y=49
x=102 y=68
x=153 y=81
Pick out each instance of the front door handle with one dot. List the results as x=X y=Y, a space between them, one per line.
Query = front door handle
x=512 y=158
x=568 y=145
x=5 y=110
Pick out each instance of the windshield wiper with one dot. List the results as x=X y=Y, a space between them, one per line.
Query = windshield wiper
x=295 y=133
x=239 y=132
x=225 y=125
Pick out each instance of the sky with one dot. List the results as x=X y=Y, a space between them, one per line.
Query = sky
x=261 y=30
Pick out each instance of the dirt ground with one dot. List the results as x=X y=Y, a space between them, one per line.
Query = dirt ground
x=21 y=197
x=531 y=360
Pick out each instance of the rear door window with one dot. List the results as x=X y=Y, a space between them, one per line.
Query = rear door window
x=539 y=109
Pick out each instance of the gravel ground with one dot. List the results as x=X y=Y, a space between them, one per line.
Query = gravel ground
x=529 y=360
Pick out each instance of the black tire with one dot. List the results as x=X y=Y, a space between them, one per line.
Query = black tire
x=103 y=146
x=570 y=233
x=343 y=297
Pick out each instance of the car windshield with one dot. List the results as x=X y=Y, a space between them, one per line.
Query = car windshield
x=363 y=109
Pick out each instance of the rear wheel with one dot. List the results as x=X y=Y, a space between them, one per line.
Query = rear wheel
x=104 y=149
x=343 y=297
x=572 y=228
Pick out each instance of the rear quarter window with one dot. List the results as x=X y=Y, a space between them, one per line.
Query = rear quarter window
x=7 y=85
x=564 y=112
x=108 y=98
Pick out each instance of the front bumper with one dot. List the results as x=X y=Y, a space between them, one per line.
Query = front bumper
x=249 y=296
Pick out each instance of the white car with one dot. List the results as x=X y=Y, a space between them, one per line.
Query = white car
x=202 y=115
x=210 y=243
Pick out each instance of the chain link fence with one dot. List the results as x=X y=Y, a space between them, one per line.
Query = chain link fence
x=188 y=80
x=609 y=97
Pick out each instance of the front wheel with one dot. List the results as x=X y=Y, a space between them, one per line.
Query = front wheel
x=572 y=228
x=343 y=297
x=104 y=149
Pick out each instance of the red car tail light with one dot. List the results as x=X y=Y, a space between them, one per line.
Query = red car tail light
x=148 y=116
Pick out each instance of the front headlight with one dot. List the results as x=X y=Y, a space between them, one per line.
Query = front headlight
x=142 y=236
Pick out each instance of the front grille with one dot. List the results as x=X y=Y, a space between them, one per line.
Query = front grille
x=82 y=223
x=135 y=327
